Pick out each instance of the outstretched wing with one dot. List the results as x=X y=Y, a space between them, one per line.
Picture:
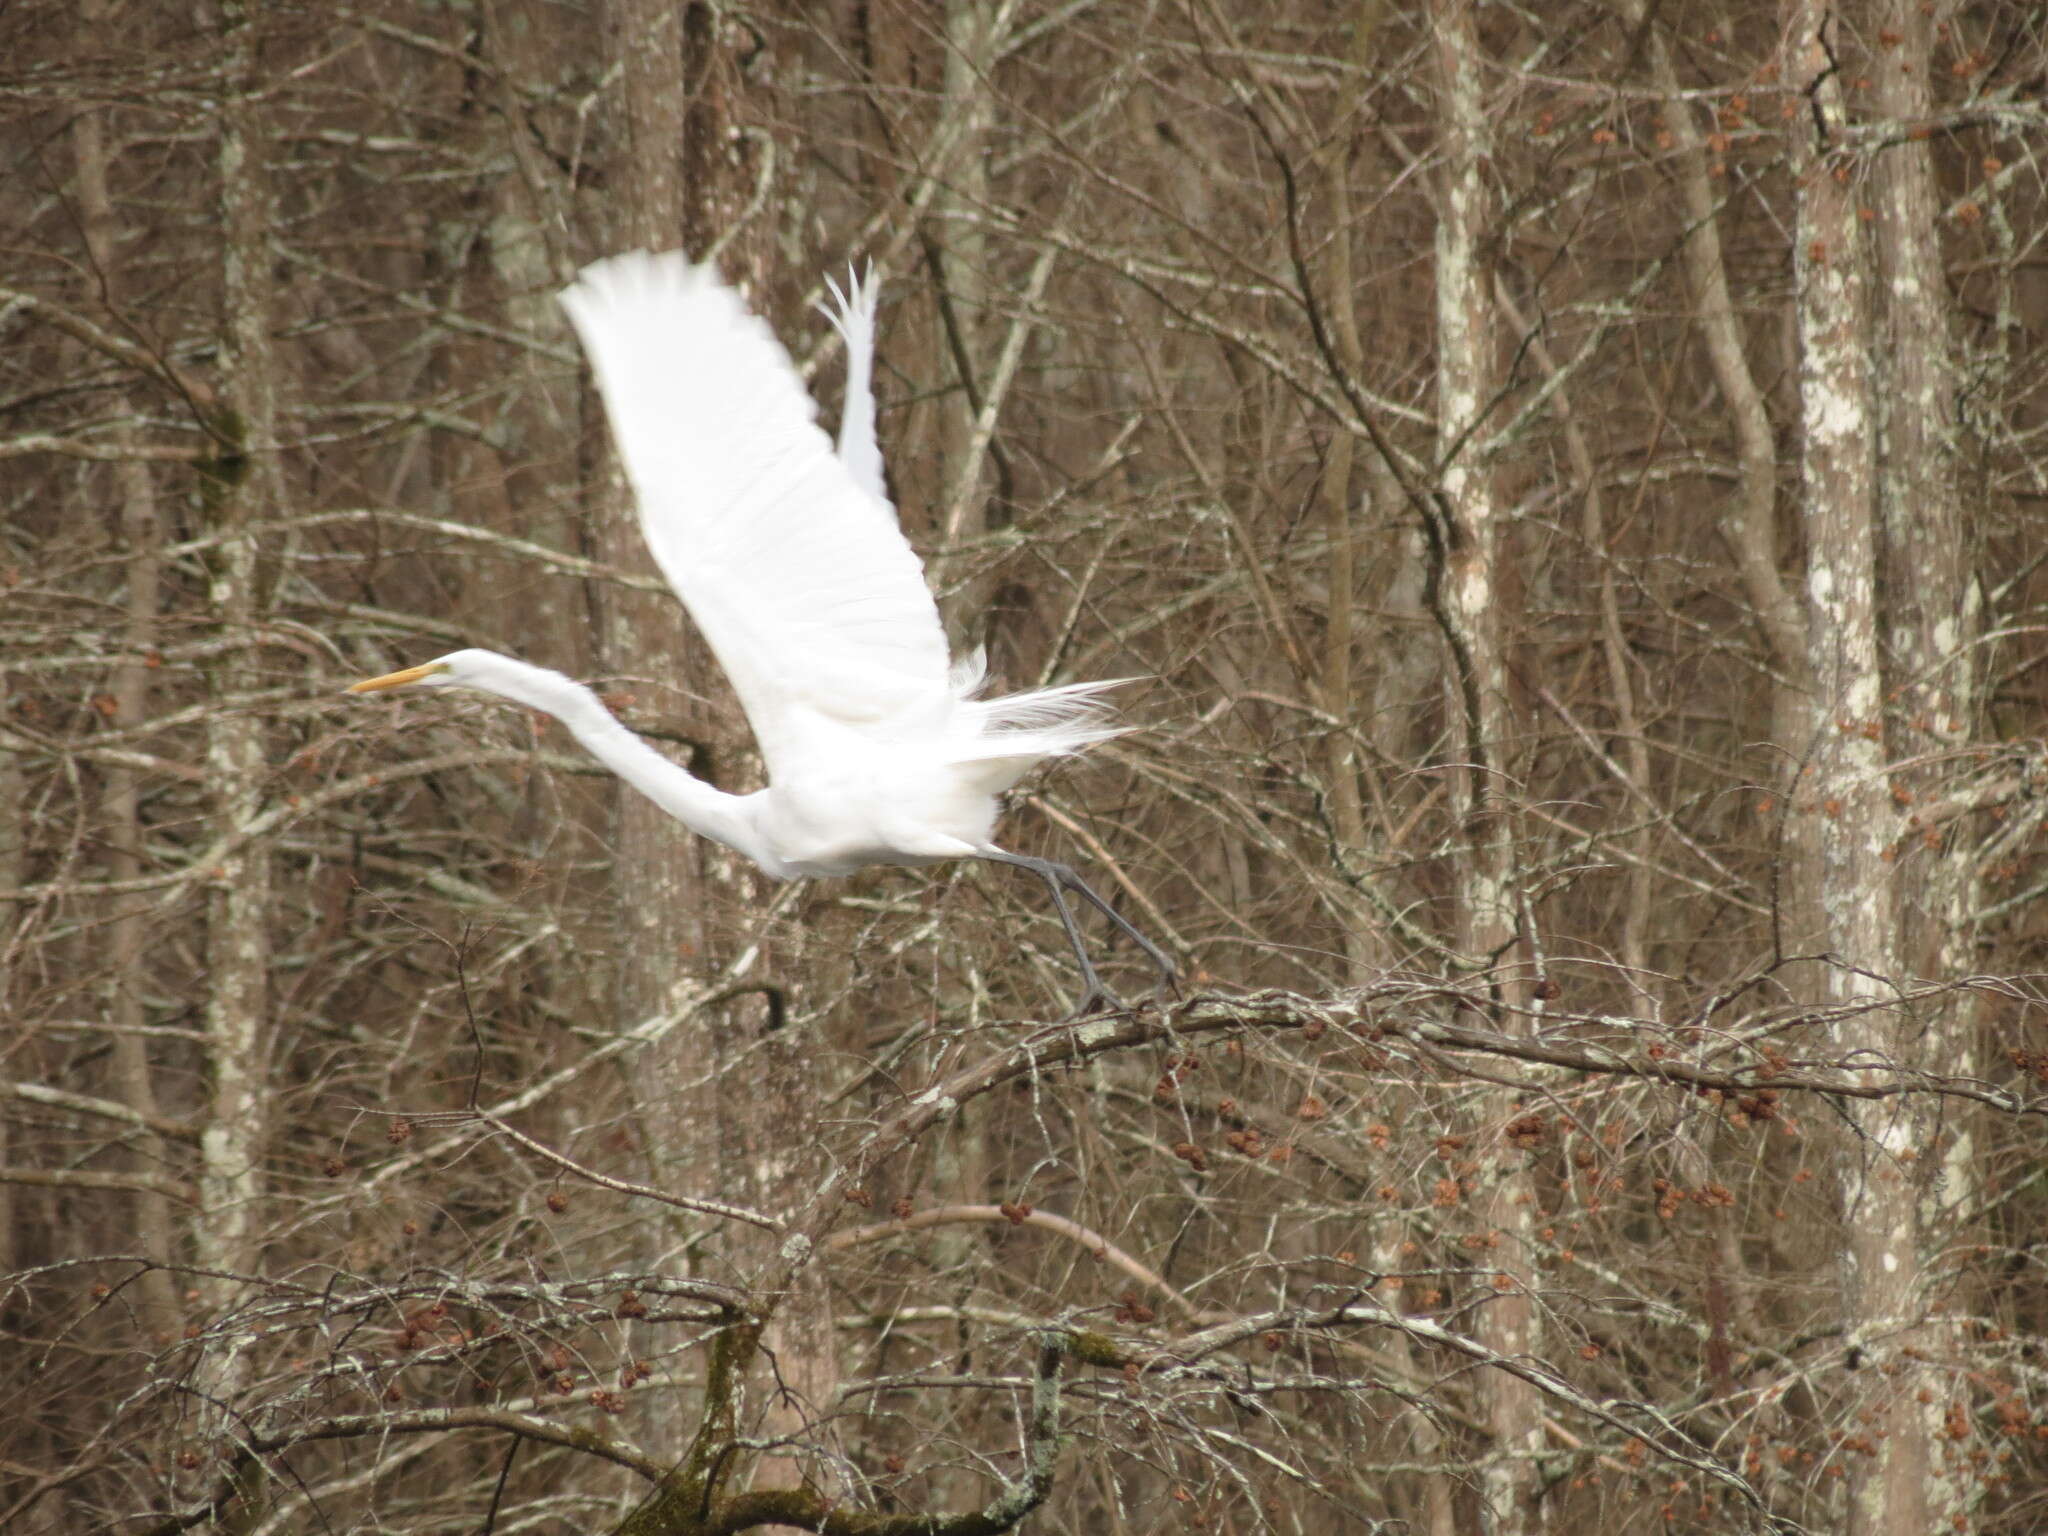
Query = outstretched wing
x=853 y=316
x=797 y=574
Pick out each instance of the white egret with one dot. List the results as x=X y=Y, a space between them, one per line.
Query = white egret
x=790 y=559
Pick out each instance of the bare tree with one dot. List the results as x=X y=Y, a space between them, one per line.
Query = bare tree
x=1571 y=482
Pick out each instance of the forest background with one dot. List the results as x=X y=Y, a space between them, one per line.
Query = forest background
x=1571 y=478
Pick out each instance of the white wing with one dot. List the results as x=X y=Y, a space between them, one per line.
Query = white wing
x=853 y=317
x=800 y=579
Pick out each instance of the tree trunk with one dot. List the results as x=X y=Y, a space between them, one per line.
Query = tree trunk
x=136 y=530
x=1848 y=800
x=240 y=486
x=243 y=485
x=1931 y=631
x=1471 y=599
x=678 y=180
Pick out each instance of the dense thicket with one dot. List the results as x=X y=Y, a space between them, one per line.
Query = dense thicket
x=1571 y=480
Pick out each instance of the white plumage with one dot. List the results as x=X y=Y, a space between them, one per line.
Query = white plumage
x=789 y=557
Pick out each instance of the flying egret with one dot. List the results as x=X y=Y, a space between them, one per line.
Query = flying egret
x=790 y=559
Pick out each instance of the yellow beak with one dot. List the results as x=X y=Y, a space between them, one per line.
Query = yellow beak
x=395 y=679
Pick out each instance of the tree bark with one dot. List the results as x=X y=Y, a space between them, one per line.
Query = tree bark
x=1931 y=630
x=1471 y=602
x=243 y=485
x=1849 y=801
x=679 y=181
x=136 y=530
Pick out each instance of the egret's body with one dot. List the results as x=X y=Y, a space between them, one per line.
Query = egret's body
x=789 y=557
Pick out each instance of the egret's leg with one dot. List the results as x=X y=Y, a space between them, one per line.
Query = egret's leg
x=1074 y=882
x=1097 y=994
x=1059 y=879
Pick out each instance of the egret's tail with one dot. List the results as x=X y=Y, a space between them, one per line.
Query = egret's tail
x=1019 y=729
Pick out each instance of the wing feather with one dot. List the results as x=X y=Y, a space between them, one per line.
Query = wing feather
x=802 y=583
x=852 y=315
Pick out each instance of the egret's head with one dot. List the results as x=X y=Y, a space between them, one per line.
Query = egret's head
x=457 y=669
x=535 y=687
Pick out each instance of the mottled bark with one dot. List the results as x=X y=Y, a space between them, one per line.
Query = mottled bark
x=242 y=486
x=1931 y=632
x=1846 y=794
x=1472 y=602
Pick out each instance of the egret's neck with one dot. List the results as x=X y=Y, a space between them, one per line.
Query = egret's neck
x=707 y=811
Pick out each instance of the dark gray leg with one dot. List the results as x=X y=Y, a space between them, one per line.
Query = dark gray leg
x=1059 y=879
